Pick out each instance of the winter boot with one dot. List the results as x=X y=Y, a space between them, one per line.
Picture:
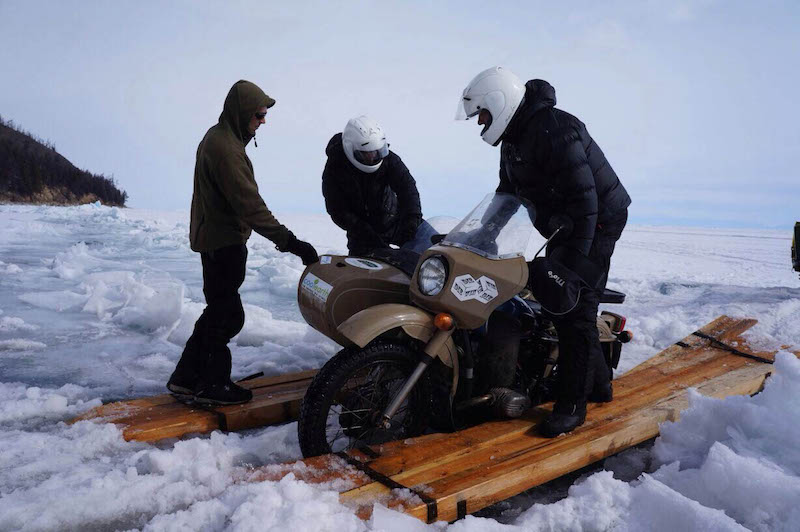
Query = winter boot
x=566 y=417
x=223 y=393
x=509 y=403
x=185 y=380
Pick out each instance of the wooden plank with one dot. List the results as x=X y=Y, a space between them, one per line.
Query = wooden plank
x=632 y=390
x=451 y=452
x=724 y=328
x=276 y=399
x=487 y=463
x=499 y=443
x=517 y=471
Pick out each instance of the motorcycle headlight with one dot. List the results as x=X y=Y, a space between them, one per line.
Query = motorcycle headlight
x=432 y=275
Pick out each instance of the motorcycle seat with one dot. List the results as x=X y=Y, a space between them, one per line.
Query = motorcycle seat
x=612 y=297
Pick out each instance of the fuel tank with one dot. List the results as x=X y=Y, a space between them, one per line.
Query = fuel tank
x=336 y=287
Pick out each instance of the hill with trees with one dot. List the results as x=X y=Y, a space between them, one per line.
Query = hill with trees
x=32 y=171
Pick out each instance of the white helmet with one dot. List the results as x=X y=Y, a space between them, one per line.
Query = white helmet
x=364 y=143
x=498 y=91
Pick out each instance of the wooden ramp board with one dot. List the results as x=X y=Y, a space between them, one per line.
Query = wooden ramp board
x=446 y=476
x=275 y=400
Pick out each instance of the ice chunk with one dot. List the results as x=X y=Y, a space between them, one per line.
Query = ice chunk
x=20 y=344
x=60 y=300
x=10 y=324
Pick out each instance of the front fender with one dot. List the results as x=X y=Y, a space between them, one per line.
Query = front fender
x=364 y=326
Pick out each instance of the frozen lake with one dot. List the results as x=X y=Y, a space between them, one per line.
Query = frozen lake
x=97 y=302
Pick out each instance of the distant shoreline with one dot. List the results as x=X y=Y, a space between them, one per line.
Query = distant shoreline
x=55 y=197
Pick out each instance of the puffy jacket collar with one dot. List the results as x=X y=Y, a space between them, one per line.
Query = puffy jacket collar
x=244 y=99
x=539 y=95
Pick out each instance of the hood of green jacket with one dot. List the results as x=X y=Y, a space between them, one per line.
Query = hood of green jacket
x=243 y=100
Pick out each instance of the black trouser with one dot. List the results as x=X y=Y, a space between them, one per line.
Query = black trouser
x=206 y=354
x=581 y=365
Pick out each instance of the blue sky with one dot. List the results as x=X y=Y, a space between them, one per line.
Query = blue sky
x=694 y=103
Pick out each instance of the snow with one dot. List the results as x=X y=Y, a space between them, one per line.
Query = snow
x=97 y=302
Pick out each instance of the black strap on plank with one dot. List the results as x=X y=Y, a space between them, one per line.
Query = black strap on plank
x=433 y=509
x=367 y=450
x=461 y=509
x=725 y=347
x=251 y=377
x=221 y=419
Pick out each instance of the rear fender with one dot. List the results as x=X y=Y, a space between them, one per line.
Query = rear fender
x=364 y=326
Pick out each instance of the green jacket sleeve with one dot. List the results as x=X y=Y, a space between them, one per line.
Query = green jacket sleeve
x=238 y=185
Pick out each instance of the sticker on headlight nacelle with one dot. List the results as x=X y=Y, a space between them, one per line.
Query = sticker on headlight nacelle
x=363 y=263
x=318 y=288
x=466 y=287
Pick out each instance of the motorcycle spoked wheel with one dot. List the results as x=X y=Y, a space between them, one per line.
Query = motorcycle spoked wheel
x=347 y=397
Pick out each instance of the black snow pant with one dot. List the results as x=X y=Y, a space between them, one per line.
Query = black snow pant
x=206 y=353
x=581 y=364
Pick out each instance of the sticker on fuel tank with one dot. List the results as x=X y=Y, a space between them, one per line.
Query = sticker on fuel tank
x=325 y=259
x=466 y=287
x=363 y=263
x=317 y=287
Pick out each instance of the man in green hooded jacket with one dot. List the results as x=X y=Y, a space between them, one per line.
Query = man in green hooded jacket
x=226 y=208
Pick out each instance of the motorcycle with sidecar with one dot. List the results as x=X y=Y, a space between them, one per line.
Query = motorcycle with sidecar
x=411 y=324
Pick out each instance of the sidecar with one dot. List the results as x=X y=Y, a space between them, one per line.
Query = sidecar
x=339 y=287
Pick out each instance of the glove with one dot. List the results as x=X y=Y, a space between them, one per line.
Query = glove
x=302 y=249
x=556 y=287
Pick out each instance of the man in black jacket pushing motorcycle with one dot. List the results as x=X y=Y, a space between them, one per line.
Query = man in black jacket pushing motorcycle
x=549 y=158
x=368 y=190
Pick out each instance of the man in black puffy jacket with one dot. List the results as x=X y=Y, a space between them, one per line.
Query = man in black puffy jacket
x=368 y=190
x=549 y=158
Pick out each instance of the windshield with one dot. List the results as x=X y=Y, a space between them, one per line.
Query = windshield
x=498 y=228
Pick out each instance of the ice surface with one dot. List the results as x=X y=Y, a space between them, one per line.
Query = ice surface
x=97 y=302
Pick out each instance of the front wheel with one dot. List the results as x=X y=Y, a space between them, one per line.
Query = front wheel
x=342 y=407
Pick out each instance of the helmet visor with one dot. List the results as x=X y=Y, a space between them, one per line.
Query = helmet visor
x=466 y=109
x=372 y=157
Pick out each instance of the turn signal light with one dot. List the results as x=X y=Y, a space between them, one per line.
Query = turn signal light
x=443 y=321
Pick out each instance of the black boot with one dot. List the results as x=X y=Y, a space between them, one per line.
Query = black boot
x=185 y=380
x=566 y=417
x=223 y=393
